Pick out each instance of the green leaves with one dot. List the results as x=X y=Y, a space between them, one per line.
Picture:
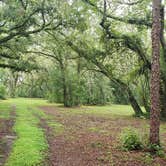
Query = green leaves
x=130 y=140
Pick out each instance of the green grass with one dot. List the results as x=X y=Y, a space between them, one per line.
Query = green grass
x=101 y=111
x=57 y=127
x=94 y=129
x=113 y=109
x=30 y=145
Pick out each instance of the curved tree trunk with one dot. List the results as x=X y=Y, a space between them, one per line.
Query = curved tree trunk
x=134 y=103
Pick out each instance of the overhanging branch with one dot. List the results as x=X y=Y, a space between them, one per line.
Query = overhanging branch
x=134 y=21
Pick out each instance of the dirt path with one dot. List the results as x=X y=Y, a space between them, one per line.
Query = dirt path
x=89 y=140
x=7 y=136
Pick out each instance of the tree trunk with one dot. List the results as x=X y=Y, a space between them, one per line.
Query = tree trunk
x=78 y=100
x=155 y=75
x=13 y=83
x=134 y=104
x=163 y=76
x=137 y=109
x=146 y=105
x=65 y=92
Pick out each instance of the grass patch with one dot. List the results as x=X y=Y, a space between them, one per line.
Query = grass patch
x=94 y=129
x=28 y=149
x=58 y=128
x=107 y=111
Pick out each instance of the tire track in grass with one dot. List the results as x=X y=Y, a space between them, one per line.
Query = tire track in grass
x=7 y=136
x=28 y=149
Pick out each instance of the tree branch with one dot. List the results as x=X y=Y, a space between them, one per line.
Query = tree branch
x=130 y=3
x=135 y=21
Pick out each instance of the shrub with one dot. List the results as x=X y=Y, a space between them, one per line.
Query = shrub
x=130 y=140
x=157 y=149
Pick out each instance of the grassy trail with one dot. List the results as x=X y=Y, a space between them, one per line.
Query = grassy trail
x=7 y=136
x=30 y=145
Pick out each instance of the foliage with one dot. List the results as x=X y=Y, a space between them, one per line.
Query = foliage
x=130 y=139
x=87 y=89
x=157 y=149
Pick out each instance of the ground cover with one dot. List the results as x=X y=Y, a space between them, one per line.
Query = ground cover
x=49 y=134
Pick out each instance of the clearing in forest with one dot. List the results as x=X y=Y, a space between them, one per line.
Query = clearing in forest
x=49 y=134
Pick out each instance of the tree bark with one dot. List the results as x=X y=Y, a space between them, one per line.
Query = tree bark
x=137 y=109
x=163 y=76
x=155 y=75
x=146 y=105
x=134 y=104
x=78 y=100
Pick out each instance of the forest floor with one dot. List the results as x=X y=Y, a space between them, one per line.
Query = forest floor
x=89 y=136
x=51 y=135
